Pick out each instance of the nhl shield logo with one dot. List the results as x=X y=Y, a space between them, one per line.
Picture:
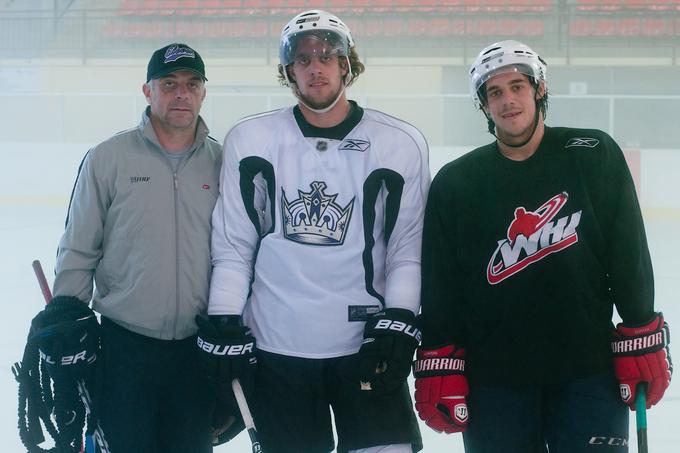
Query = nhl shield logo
x=461 y=412
x=624 y=389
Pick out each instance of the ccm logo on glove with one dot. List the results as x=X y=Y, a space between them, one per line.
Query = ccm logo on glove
x=237 y=349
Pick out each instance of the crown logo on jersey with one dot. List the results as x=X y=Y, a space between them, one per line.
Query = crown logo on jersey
x=315 y=218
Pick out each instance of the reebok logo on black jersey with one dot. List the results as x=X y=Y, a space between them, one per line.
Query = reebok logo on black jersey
x=354 y=144
x=531 y=237
x=584 y=142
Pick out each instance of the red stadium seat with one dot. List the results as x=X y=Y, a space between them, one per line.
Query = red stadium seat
x=189 y=8
x=605 y=27
x=484 y=27
x=580 y=27
x=338 y=6
x=359 y=6
x=629 y=26
x=657 y=27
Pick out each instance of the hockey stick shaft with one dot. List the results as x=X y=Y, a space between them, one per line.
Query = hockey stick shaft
x=42 y=281
x=98 y=434
x=245 y=413
x=641 y=417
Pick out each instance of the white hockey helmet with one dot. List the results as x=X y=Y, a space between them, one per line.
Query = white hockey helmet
x=504 y=56
x=320 y=24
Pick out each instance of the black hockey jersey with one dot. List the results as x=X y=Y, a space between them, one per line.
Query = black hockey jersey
x=523 y=260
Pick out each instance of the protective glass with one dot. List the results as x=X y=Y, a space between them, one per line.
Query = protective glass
x=303 y=46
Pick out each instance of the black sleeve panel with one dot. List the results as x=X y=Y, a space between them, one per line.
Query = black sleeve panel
x=628 y=261
x=440 y=287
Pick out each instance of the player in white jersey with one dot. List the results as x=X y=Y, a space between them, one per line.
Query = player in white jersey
x=316 y=250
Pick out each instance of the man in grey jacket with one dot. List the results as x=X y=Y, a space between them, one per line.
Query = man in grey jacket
x=138 y=226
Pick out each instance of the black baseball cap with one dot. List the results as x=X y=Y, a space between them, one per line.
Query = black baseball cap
x=174 y=57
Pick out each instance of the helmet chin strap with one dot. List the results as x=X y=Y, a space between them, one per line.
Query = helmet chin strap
x=326 y=109
x=337 y=98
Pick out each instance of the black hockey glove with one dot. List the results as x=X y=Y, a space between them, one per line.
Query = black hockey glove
x=67 y=335
x=386 y=354
x=227 y=352
x=226 y=424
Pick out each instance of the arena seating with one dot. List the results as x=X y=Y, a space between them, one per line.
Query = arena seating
x=393 y=18
x=286 y=7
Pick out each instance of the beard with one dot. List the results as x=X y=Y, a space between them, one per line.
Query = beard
x=320 y=104
x=519 y=134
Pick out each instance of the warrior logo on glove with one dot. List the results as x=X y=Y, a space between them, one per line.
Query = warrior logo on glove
x=641 y=355
x=441 y=388
x=461 y=413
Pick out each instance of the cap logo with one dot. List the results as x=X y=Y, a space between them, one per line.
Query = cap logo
x=174 y=53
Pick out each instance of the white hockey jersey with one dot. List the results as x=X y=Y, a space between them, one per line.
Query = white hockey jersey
x=317 y=229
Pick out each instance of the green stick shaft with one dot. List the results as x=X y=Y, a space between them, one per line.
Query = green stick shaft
x=641 y=417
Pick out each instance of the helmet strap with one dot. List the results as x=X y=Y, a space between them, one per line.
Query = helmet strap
x=327 y=109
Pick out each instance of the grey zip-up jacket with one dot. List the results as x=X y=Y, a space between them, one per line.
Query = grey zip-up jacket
x=142 y=232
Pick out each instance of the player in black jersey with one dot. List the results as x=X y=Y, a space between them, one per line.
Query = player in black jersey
x=316 y=249
x=528 y=244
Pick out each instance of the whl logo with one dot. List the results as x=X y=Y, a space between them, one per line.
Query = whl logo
x=531 y=237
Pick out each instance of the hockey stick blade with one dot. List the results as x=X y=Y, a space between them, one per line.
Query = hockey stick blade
x=245 y=413
x=641 y=417
x=98 y=435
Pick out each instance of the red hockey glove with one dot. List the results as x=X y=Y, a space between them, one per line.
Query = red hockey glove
x=441 y=388
x=641 y=355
